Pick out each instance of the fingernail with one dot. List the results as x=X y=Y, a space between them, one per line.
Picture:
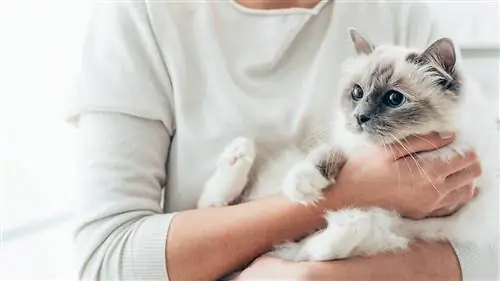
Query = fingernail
x=475 y=191
x=445 y=135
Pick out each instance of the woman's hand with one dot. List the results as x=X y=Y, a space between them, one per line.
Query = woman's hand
x=398 y=178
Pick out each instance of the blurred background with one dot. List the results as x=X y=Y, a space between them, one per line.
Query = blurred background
x=39 y=57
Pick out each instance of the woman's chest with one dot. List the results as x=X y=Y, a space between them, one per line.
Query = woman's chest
x=224 y=88
x=214 y=107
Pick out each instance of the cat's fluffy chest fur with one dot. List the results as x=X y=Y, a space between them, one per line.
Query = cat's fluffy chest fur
x=294 y=169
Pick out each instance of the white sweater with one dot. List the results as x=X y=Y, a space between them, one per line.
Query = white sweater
x=169 y=84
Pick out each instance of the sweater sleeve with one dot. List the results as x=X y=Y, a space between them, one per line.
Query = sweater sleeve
x=123 y=112
x=419 y=28
x=121 y=231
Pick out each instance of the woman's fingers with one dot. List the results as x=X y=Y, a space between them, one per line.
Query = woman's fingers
x=445 y=211
x=416 y=144
x=455 y=200
x=458 y=196
x=463 y=171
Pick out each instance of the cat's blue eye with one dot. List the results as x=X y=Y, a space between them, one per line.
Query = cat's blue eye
x=356 y=92
x=393 y=98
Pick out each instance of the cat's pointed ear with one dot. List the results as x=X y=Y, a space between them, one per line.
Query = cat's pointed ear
x=441 y=52
x=361 y=43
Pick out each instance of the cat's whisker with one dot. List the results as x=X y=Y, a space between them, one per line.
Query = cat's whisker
x=421 y=158
x=426 y=140
x=314 y=135
x=421 y=169
x=406 y=159
x=330 y=165
x=411 y=170
x=416 y=154
x=381 y=140
x=397 y=165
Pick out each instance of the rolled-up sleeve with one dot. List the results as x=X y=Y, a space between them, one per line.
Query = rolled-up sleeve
x=123 y=112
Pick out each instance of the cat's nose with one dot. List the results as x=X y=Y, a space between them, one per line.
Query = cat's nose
x=362 y=118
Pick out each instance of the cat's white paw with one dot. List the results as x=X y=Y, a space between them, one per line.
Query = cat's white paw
x=240 y=152
x=304 y=183
x=231 y=175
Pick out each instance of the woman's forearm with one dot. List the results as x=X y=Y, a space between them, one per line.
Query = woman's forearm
x=422 y=262
x=206 y=244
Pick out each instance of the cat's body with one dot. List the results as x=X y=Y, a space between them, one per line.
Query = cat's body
x=438 y=97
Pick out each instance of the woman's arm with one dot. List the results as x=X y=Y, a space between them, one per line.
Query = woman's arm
x=120 y=229
x=205 y=244
x=122 y=233
x=422 y=262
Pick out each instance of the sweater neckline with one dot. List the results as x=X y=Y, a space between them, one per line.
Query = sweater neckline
x=285 y=11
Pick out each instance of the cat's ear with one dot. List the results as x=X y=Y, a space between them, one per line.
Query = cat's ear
x=361 y=43
x=441 y=52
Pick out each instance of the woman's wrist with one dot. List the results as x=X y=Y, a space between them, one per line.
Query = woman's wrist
x=340 y=195
x=241 y=233
x=308 y=218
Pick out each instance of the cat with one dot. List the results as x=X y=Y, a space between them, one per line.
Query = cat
x=387 y=93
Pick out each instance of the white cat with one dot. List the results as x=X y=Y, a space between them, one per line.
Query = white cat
x=387 y=93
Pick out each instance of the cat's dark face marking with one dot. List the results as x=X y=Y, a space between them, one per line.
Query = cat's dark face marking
x=404 y=92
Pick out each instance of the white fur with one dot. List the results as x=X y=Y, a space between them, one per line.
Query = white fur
x=353 y=232
x=231 y=175
x=304 y=183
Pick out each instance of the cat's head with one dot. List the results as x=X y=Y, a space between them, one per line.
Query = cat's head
x=390 y=92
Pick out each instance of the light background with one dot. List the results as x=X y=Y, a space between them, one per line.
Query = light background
x=40 y=46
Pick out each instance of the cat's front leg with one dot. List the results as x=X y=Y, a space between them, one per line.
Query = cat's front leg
x=306 y=180
x=231 y=175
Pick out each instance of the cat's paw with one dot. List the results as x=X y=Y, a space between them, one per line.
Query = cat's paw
x=304 y=183
x=238 y=155
x=231 y=175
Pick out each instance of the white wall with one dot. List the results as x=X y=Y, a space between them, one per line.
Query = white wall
x=476 y=24
x=476 y=27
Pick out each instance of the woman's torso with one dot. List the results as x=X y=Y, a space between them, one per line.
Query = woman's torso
x=240 y=72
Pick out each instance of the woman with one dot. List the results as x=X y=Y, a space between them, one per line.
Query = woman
x=167 y=83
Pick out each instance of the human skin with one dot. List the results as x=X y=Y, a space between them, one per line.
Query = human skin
x=423 y=262
x=206 y=244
